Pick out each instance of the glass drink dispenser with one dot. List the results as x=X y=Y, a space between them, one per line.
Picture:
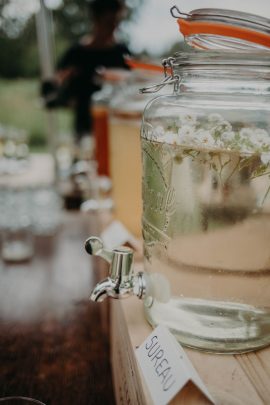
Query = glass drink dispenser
x=206 y=190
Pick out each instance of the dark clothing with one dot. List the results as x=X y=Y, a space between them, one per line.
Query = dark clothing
x=85 y=61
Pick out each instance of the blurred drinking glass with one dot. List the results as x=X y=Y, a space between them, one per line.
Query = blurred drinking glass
x=16 y=226
x=46 y=210
x=14 y=150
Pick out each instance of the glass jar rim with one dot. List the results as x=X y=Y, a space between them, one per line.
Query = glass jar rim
x=213 y=28
x=238 y=17
x=224 y=58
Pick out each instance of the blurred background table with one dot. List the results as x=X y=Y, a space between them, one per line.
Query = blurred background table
x=37 y=170
x=53 y=343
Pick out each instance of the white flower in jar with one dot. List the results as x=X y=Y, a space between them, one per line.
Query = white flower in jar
x=220 y=128
x=188 y=119
x=159 y=132
x=219 y=144
x=186 y=135
x=265 y=158
x=255 y=139
x=204 y=138
x=171 y=138
x=228 y=136
x=261 y=138
x=246 y=133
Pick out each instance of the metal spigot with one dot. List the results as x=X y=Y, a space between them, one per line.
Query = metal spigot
x=122 y=282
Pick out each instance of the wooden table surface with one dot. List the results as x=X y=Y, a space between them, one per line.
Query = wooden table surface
x=54 y=343
x=240 y=379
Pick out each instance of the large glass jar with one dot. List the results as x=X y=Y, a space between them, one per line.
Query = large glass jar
x=206 y=198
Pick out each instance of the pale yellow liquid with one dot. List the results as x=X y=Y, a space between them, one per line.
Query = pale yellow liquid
x=209 y=235
x=126 y=171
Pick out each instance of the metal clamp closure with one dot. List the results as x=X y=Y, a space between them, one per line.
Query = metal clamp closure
x=176 y=13
x=157 y=86
x=170 y=77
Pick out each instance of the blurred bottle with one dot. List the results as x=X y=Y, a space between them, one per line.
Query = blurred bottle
x=111 y=79
x=126 y=109
x=65 y=152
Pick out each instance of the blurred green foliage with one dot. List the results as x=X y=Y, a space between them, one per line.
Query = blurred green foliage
x=20 y=104
x=18 y=40
x=19 y=56
x=22 y=108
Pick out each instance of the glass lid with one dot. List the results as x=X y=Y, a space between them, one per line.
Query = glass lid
x=213 y=29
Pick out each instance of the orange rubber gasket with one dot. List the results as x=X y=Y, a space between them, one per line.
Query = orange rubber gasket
x=190 y=28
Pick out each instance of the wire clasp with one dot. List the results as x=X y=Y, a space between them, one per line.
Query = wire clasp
x=170 y=77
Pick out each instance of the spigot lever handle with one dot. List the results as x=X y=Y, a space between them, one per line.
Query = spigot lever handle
x=94 y=246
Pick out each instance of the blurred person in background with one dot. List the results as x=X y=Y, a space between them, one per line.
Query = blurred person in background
x=76 y=75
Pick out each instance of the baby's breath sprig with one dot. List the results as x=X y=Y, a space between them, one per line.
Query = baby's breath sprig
x=207 y=138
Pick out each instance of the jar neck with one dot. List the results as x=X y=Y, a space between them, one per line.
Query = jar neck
x=222 y=72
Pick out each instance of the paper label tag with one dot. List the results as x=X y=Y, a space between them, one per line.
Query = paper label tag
x=166 y=367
